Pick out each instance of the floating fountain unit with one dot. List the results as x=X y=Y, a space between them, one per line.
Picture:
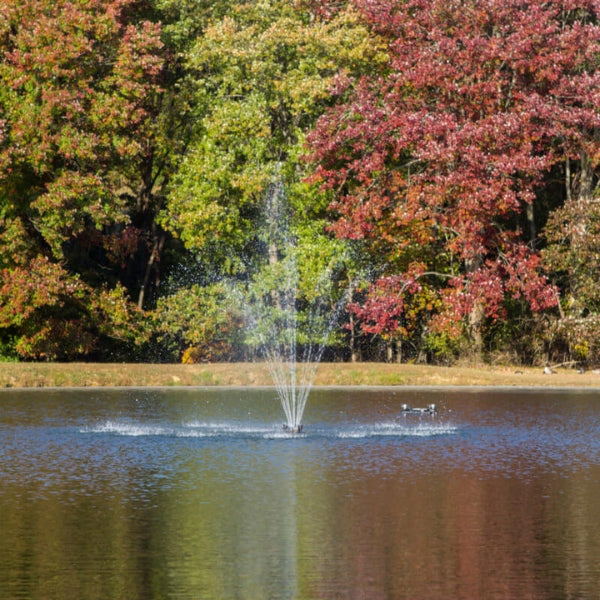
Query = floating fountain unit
x=293 y=428
x=427 y=410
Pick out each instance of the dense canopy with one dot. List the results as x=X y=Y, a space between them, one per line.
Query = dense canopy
x=443 y=154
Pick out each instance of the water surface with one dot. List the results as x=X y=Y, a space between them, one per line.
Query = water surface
x=148 y=494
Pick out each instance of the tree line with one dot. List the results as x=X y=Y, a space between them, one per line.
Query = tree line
x=439 y=161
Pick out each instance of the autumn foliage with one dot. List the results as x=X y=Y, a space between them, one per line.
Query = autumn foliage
x=75 y=99
x=439 y=160
x=448 y=149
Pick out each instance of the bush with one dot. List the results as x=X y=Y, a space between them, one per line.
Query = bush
x=199 y=324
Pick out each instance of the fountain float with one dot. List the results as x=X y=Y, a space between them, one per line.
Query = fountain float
x=427 y=410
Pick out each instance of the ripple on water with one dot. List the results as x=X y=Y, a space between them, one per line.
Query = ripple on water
x=201 y=429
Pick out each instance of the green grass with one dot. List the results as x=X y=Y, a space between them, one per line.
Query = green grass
x=22 y=375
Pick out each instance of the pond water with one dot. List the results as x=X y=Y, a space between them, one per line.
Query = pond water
x=156 y=494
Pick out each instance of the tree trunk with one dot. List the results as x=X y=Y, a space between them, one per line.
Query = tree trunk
x=154 y=258
x=530 y=213
x=476 y=320
x=586 y=178
x=352 y=341
x=399 y=351
x=476 y=317
x=568 y=178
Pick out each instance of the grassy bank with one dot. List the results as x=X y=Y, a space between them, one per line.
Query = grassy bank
x=18 y=375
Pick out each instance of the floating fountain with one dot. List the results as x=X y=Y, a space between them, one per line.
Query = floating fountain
x=431 y=409
x=290 y=328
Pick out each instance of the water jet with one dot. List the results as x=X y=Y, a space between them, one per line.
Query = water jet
x=290 y=319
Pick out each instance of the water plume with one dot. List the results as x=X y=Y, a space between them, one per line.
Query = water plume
x=290 y=320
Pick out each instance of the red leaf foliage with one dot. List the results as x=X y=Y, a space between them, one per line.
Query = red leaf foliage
x=447 y=149
x=54 y=315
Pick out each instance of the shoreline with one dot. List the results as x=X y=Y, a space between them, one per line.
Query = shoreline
x=313 y=388
x=256 y=375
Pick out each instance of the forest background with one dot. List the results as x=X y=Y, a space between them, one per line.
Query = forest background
x=438 y=160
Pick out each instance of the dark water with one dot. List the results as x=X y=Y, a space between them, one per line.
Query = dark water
x=199 y=494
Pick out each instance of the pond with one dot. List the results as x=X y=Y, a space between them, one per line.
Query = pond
x=197 y=493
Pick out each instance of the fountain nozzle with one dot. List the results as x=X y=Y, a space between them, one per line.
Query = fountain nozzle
x=292 y=428
x=430 y=410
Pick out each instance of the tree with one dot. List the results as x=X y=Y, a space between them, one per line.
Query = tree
x=573 y=258
x=437 y=164
x=263 y=72
x=199 y=324
x=50 y=314
x=79 y=90
x=263 y=77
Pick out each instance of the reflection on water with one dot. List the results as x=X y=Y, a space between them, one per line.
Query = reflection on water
x=201 y=494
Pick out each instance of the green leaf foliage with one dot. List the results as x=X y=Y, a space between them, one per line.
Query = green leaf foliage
x=198 y=324
x=263 y=76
